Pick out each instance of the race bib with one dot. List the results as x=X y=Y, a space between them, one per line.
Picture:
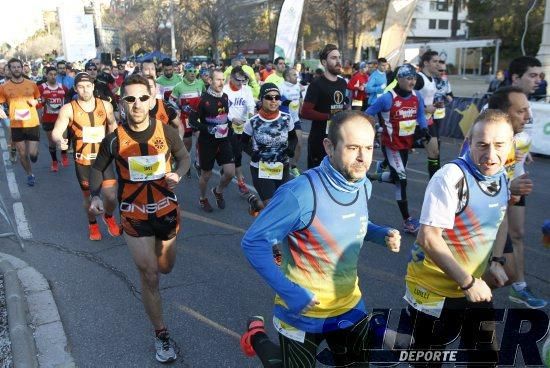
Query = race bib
x=423 y=300
x=289 y=331
x=439 y=113
x=270 y=170
x=328 y=126
x=53 y=108
x=221 y=131
x=93 y=134
x=22 y=114
x=406 y=127
x=357 y=103
x=238 y=128
x=294 y=105
x=145 y=168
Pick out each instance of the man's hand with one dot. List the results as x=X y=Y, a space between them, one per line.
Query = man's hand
x=311 y=304
x=393 y=240
x=521 y=185
x=499 y=275
x=479 y=292
x=172 y=179
x=96 y=206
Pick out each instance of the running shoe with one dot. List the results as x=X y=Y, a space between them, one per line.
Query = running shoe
x=31 y=180
x=526 y=297
x=277 y=255
x=205 y=205
x=219 y=199
x=95 y=233
x=411 y=225
x=243 y=189
x=13 y=155
x=64 y=160
x=254 y=325
x=254 y=205
x=197 y=168
x=295 y=172
x=112 y=226
x=165 y=348
x=54 y=167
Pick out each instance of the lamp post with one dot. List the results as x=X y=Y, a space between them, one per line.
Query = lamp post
x=544 y=51
x=172 y=32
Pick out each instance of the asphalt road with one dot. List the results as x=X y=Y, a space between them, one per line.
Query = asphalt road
x=212 y=289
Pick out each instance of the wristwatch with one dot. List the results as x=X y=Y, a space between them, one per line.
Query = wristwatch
x=501 y=260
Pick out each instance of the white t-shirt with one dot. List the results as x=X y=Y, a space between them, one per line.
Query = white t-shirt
x=241 y=103
x=292 y=92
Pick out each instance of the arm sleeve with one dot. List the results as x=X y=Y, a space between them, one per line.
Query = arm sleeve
x=308 y=111
x=102 y=161
x=275 y=222
x=372 y=85
x=377 y=234
x=379 y=105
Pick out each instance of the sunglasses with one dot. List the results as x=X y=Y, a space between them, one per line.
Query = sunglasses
x=91 y=69
x=272 y=97
x=132 y=99
x=240 y=80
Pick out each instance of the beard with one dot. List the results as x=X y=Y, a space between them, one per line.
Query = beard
x=335 y=70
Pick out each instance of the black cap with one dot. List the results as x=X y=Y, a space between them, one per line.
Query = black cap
x=268 y=87
x=83 y=77
x=89 y=65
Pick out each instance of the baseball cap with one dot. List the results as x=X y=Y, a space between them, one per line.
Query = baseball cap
x=83 y=77
x=90 y=64
x=268 y=87
x=406 y=70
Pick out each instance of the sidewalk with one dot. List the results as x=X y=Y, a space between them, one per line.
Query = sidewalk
x=35 y=328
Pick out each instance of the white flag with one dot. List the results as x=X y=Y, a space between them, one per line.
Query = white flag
x=287 y=30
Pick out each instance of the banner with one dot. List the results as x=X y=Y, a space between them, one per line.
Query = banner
x=396 y=26
x=77 y=32
x=287 y=30
x=540 y=129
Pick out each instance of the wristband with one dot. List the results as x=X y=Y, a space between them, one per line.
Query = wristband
x=469 y=286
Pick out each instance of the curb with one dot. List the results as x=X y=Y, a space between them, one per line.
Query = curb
x=36 y=331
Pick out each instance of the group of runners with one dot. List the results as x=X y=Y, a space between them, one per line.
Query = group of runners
x=132 y=141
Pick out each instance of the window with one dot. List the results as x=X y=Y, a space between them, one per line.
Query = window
x=413 y=23
x=439 y=5
x=432 y=24
x=443 y=24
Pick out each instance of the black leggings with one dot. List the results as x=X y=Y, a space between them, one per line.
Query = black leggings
x=237 y=147
x=267 y=187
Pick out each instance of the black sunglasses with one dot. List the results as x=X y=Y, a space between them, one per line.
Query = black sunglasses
x=272 y=97
x=132 y=99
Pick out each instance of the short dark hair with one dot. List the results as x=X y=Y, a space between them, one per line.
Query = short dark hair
x=338 y=120
x=15 y=60
x=381 y=60
x=49 y=69
x=286 y=73
x=61 y=62
x=500 y=99
x=135 y=79
x=167 y=62
x=329 y=47
x=427 y=56
x=520 y=65
x=276 y=61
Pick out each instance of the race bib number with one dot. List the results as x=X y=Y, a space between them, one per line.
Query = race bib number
x=439 y=113
x=238 y=128
x=22 y=114
x=145 y=168
x=424 y=300
x=328 y=126
x=289 y=331
x=270 y=170
x=221 y=131
x=406 y=127
x=93 y=134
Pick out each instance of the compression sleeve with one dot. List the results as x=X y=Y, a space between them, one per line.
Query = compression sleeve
x=382 y=104
x=377 y=234
x=308 y=112
x=276 y=221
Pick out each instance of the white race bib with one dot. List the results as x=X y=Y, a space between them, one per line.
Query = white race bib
x=270 y=170
x=238 y=128
x=145 y=168
x=439 y=113
x=221 y=131
x=406 y=127
x=22 y=114
x=293 y=106
x=93 y=134
x=289 y=331
x=425 y=301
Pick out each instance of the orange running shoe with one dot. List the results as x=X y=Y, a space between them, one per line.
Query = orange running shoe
x=64 y=160
x=254 y=325
x=93 y=229
x=112 y=226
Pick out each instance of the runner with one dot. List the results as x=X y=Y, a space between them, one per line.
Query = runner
x=148 y=67
x=21 y=95
x=291 y=103
x=402 y=110
x=320 y=218
x=241 y=109
x=168 y=80
x=162 y=111
x=324 y=98
x=357 y=85
x=377 y=81
x=88 y=118
x=463 y=209
x=213 y=143
x=149 y=209
x=427 y=88
x=513 y=101
x=277 y=78
x=53 y=95
x=62 y=78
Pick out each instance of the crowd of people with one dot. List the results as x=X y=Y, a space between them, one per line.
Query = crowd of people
x=136 y=130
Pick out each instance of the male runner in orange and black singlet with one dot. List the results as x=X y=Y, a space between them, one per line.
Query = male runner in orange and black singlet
x=143 y=150
x=88 y=119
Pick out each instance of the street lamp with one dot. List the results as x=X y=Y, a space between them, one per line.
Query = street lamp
x=170 y=24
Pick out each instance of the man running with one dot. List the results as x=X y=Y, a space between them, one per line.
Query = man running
x=143 y=150
x=401 y=110
x=463 y=208
x=62 y=78
x=168 y=80
x=291 y=103
x=321 y=220
x=325 y=97
x=377 y=81
x=213 y=142
x=53 y=96
x=277 y=78
x=427 y=88
x=88 y=118
x=357 y=84
x=241 y=109
x=22 y=96
x=161 y=110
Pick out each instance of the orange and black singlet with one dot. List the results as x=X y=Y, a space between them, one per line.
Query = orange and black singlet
x=88 y=130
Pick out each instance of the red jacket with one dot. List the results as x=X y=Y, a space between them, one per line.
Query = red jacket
x=357 y=85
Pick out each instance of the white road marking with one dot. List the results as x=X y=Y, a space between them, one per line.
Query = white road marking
x=21 y=221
